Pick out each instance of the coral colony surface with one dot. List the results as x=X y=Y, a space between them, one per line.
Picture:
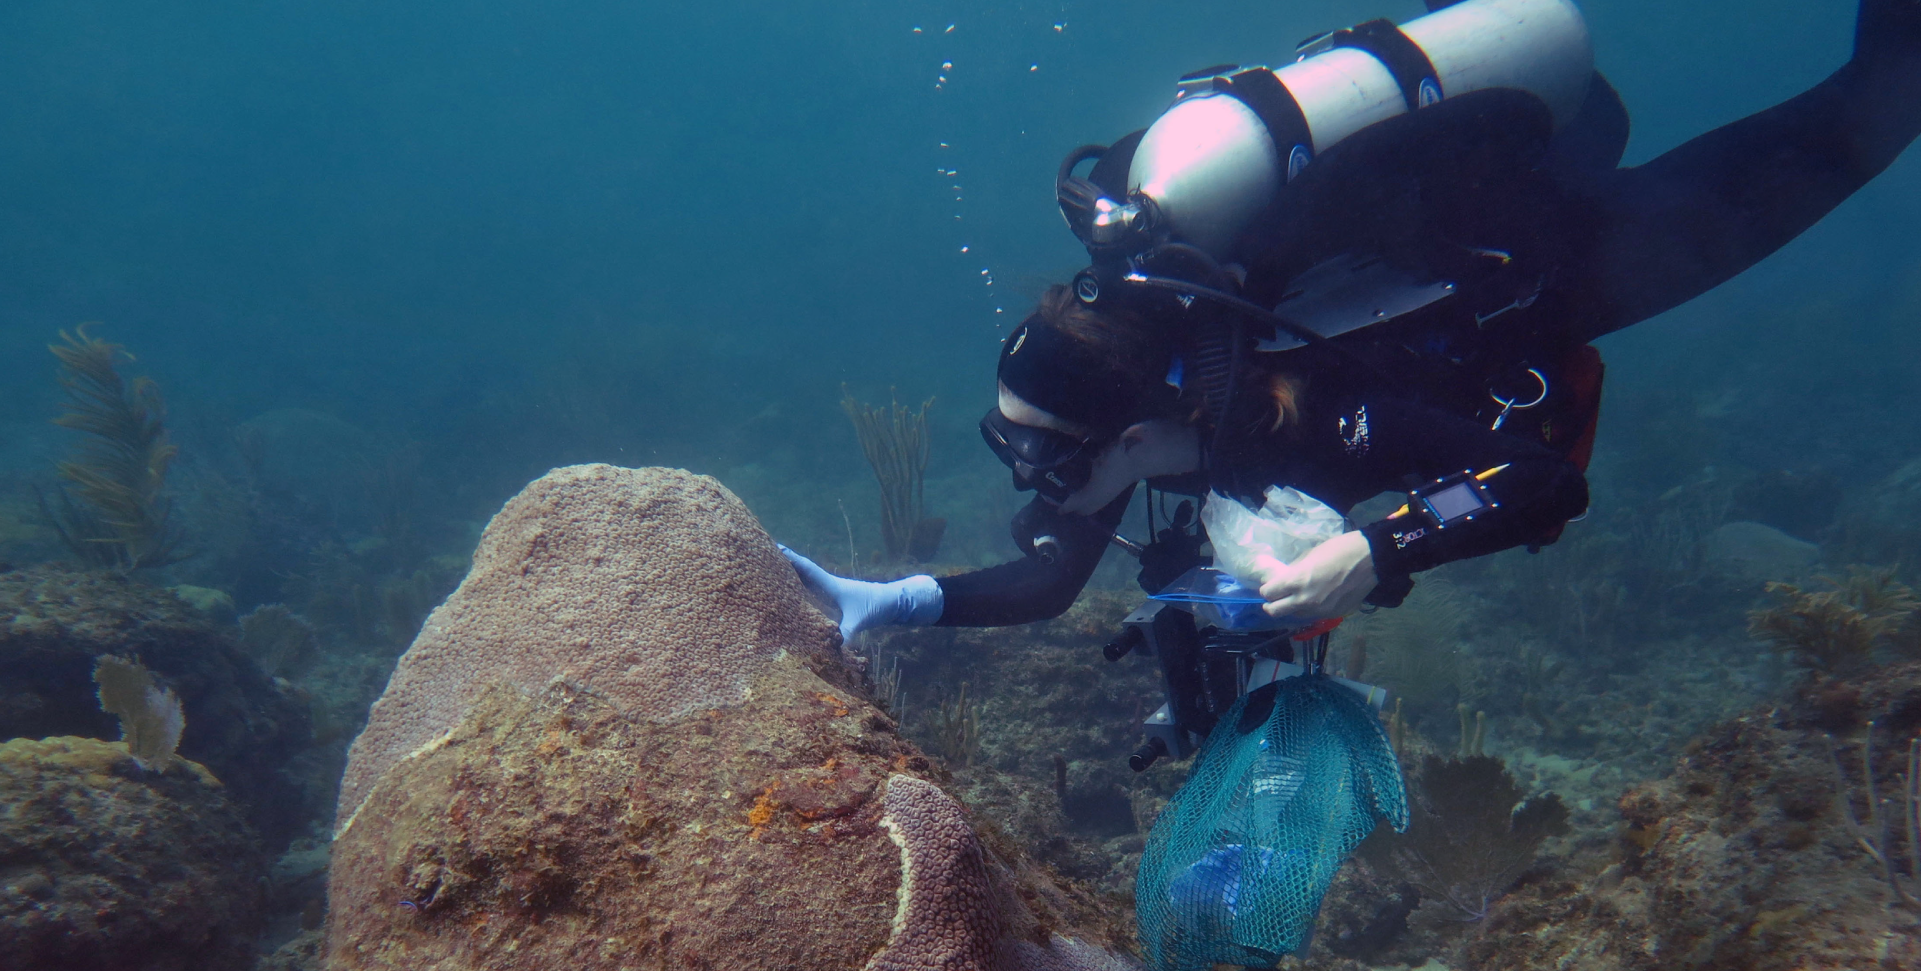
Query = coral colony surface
x=670 y=764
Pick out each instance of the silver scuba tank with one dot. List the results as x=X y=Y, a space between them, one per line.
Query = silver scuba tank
x=1235 y=135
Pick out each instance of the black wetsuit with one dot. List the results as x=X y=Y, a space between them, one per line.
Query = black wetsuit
x=1552 y=245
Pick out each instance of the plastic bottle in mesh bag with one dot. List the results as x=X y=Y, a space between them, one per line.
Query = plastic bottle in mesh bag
x=1291 y=779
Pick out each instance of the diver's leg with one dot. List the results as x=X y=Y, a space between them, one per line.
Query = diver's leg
x=1691 y=219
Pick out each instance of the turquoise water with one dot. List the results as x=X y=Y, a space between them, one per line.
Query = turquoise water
x=518 y=235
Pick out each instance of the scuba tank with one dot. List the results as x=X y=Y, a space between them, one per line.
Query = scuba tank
x=1225 y=153
x=1235 y=135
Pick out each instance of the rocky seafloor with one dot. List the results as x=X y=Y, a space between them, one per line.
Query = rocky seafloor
x=1719 y=809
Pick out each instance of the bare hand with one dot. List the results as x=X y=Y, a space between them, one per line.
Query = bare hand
x=1332 y=580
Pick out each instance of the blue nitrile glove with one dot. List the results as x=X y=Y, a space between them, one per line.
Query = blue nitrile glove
x=915 y=600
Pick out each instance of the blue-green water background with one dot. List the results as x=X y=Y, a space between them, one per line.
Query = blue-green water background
x=500 y=236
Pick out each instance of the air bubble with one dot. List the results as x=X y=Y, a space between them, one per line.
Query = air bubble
x=949 y=30
x=947 y=65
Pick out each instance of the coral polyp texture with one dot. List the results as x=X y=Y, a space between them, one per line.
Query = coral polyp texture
x=946 y=901
x=563 y=821
x=655 y=589
x=954 y=909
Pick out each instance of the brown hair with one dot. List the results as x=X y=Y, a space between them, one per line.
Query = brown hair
x=1124 y=341
x=1285 y=390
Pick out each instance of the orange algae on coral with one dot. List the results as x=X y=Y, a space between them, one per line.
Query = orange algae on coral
x=763 y=811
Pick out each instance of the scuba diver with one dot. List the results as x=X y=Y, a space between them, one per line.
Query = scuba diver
x=1378 y=268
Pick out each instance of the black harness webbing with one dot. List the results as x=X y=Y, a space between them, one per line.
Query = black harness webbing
x=1286 y=124
x=1402 y=57
x=1270 y=100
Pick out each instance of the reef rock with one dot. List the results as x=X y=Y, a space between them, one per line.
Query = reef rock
x=1878 y=519
x=54 y=624
x=1744 y=857
x=629 y=741
x=106 y=865
x=1755 y=552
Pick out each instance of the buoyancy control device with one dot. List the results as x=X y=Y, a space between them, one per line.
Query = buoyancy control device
x=1236 y=137
x=1236 y=134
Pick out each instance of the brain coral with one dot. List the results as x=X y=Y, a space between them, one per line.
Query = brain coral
x=954 y=914
x=654 y=589
x=947 y=911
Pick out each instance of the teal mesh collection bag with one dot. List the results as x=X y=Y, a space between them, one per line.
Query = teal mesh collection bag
x=1291 y=778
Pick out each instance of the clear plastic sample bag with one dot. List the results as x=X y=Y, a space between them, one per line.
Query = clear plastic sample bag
x=1249 y=544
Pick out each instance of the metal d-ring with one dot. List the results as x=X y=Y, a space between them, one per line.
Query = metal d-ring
x=1508 y=404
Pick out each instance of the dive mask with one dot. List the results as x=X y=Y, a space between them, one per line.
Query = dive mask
x=1052 y=463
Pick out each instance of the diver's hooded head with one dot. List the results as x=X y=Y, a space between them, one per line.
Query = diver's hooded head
x=1095 y=372
x=1072 y=380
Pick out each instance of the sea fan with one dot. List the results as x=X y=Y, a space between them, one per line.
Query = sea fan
x=151 y=719
x=114 y=511
x=1471 y=834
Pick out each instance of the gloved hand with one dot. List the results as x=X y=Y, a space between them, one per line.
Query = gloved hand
x=1332 y=580
x=914 y=600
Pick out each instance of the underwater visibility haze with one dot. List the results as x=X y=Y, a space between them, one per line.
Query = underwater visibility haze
x=400 y=405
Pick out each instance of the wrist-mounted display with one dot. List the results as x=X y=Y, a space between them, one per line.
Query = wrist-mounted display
x=1443 y=502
